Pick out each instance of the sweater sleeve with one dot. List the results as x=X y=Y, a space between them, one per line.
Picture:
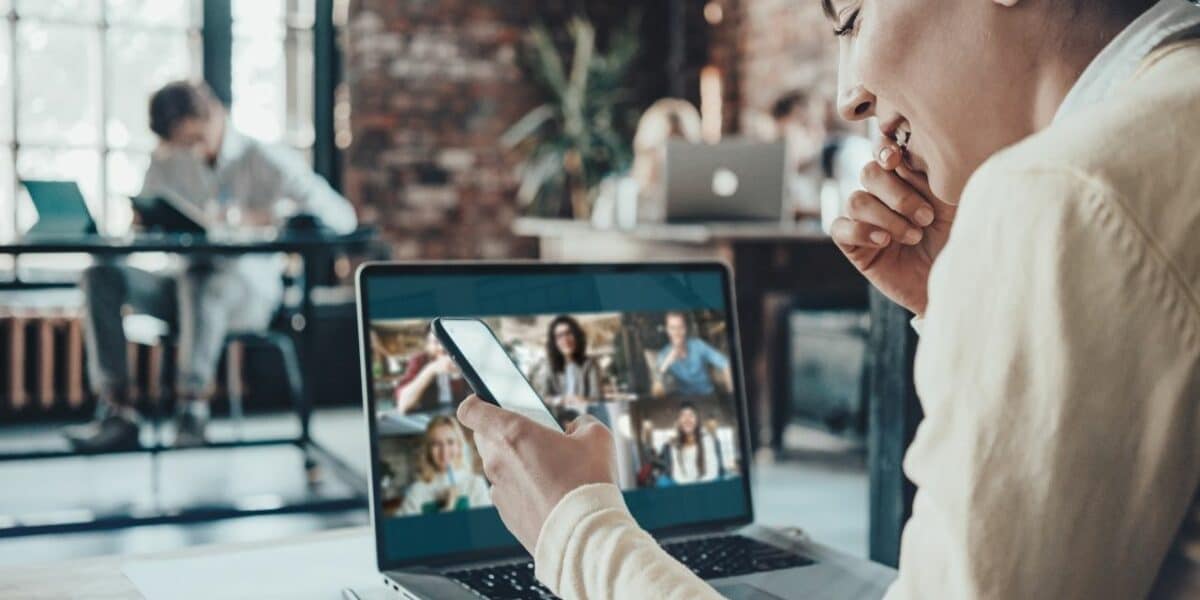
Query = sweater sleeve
x=1056 y=367
x=590 y=547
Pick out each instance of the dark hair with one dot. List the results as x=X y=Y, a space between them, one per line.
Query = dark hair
x=697 y=435
x=557 y=360
x=177 y=101
x=787 y=103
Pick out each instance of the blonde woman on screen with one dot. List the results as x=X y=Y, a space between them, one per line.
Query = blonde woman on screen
x=445 y=480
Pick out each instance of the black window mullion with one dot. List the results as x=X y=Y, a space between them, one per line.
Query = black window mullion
x=326 y=75
x=217 y=42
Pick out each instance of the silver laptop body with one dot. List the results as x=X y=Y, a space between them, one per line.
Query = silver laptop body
x=734 y=180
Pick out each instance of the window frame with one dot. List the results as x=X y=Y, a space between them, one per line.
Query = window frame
x=215 y=32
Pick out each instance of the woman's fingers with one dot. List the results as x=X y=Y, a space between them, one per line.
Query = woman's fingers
x=868 y=208
x=889 y=156
x=897 y=194
x=850 y=234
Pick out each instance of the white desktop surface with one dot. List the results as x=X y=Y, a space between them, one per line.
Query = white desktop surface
x=311 y=566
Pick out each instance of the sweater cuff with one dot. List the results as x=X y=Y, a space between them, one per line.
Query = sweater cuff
x=560 y=525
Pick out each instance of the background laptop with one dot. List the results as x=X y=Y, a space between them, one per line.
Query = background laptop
x=734 y=180
x=61 y=209
x=436 y=534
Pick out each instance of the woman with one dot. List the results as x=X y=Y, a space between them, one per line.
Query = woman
x=568 y=378
x=1059 y=359
x=693 y=455
x=445 y=481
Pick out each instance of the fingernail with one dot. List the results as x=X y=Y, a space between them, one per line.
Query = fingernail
x=884 y=155
x=912 y=236
x=924 y=216
x=879 y=237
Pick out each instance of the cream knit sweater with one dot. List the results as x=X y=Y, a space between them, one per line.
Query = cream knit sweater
x=1059 y=370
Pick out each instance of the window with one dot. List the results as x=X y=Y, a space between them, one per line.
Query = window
x=273 y=70
x=76 y=77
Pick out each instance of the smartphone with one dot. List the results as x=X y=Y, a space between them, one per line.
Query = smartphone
x=489 y=370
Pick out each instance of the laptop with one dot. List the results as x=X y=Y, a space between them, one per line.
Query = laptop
x=436 y=532
x=169 y=214
x=62 y=212
x=735 y=180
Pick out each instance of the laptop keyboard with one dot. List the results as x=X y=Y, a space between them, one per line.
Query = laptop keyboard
x=732 y=555
x=708 y=558
x=503 y=582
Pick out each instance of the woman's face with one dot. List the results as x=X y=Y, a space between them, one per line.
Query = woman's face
x=445 y=449
x=952 y=74
x=687 y=419
x=564 y=339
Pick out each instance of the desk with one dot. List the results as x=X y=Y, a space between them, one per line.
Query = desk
x=102 y=578
x=314 y=249
x=772 y=263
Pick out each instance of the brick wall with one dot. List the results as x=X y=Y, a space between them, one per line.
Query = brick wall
x=768 y=47
x=432 y=85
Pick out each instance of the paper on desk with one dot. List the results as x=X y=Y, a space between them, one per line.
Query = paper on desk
x=316 y=570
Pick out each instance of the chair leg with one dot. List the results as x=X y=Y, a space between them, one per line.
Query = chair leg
x=295 y=380
x=234 y=363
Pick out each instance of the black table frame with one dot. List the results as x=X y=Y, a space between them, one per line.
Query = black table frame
x=313 y=250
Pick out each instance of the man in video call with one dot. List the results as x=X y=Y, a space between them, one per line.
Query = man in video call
x=431 y=382
x=239 y=183
x=685 y=364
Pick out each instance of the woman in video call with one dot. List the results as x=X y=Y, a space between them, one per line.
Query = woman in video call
x=693 y=455
x=445 y=480
x=569 y=377
x=432 y=382
x=685 y=365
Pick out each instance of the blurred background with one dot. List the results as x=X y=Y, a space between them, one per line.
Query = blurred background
x=456 y=129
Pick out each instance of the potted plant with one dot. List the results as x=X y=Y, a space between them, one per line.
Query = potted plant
x=577 y=136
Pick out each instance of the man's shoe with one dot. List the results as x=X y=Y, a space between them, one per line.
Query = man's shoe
x=113 y=433
x=189 y=431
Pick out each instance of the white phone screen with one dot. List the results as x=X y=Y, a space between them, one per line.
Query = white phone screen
x=498 y=372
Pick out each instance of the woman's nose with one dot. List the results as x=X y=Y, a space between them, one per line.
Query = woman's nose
x=856 y=104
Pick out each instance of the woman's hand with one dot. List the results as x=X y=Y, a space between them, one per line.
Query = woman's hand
x=894 y=230
x=532 y=467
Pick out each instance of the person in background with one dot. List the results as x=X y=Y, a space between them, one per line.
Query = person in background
x=569 y=377
x=693 y=455
x=686 y=363
x=431 y=382
x=238 y=182
x=445 y=480
x=665 y=120
x=821 y=150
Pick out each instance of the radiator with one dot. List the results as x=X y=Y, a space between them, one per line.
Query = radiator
x=42 y=360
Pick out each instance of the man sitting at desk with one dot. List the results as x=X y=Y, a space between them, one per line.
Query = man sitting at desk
x=239 y=182
x=683 y=365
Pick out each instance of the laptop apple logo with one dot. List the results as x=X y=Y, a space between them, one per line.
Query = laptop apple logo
x=724 y=182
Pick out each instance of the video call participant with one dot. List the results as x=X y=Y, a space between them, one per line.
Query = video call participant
x=203 y=160
x=445 y=480
x=684 y=364
x=569 y=377
x=431 y=382
x=694 y=454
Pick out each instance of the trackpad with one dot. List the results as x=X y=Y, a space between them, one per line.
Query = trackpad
x=743 y=591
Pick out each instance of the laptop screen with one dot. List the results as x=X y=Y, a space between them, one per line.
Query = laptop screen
x=649 y=350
